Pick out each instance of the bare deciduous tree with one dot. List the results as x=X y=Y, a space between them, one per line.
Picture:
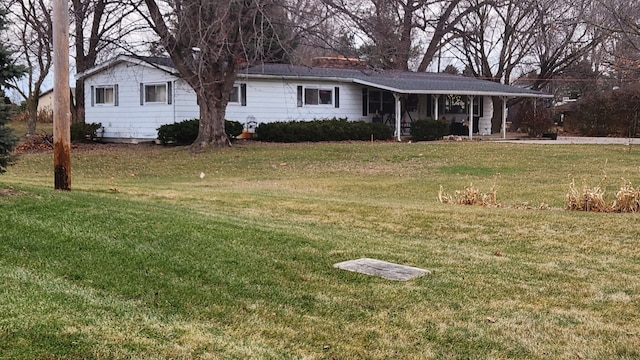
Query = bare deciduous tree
x=496 y=38
x=622 y=19
x=402 y=33
x=494 y=41
x=209 y=42
x=563 y=37
x=32 y=32
x=97 y=26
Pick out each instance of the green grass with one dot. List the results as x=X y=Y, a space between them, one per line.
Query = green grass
x=145 y=259
x=20 y=128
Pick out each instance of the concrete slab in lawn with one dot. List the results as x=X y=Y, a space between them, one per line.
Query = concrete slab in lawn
x=387 y=270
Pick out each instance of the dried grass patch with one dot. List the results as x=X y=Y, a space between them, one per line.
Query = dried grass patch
x=593 y=199
x=587 y=199
x=627 y=199
x=470 y=196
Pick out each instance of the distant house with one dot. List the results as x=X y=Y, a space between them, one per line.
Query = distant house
x=45 y=102
x=132 y=97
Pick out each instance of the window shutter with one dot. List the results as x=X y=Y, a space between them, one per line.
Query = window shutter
x=116 y=102
x=141 y=94
x=365 y=102
x=299 y=96
x=337 y=97
x=169 y=93
x=243 y=94
x=93 y=96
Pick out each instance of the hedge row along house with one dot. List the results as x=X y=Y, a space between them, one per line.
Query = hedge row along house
x=132 y=96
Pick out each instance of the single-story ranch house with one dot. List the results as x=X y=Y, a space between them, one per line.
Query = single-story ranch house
x=131 y=97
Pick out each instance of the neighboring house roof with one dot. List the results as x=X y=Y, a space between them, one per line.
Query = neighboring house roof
x=403 y=82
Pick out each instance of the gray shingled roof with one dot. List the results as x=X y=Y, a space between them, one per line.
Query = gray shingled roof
x=398 y=81
x=404 y=82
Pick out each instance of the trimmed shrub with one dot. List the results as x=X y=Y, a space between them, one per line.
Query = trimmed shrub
x=185 y=132
x=84 y=132
x=322 y=130
x=233 y=128
x=428 y=129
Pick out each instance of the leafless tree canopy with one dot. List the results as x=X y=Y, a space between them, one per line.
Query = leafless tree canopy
x=402 y=34
x=535 y=41
x=209 y=41
x=98 y=27
x=33 y=40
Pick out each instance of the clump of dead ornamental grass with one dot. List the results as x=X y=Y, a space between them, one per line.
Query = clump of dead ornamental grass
x=587 y=199
x=627 y=199
x=470 y=196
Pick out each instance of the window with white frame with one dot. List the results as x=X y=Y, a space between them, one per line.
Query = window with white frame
x=318 y=96
x=104 y=95
x=313 y=96
x=234 y=95
x=238 y=95
x=155 y=93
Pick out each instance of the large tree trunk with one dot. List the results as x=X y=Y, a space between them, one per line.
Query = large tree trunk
x=212 y=130
x=77 y=106
x=32 y=110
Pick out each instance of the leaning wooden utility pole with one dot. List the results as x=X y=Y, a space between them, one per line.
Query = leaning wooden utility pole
x=61 y=97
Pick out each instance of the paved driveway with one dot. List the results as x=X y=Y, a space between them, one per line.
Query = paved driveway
x=580 y=140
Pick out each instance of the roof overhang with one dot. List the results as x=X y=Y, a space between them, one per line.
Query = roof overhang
x=513 y=94
x=120 y=59
x=396 y=82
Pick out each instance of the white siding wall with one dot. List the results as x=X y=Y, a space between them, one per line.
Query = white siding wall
x=186 y=102
x=277 y=100
x=267 y=101
x=129 y=120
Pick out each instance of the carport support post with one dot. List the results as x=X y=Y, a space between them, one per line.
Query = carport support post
x=436 y=110
x=398 y=116
x=470 y=117
x=504 y=117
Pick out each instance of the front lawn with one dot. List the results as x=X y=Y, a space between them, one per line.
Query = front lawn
x=156 y=253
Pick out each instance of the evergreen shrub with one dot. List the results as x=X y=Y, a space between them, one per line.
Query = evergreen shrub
x=185 y=132
x=322 y=130
x=429 y=129
x=84 y=132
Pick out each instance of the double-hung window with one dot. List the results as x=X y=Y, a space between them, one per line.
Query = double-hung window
x=156 y=93
x=104 y=95
x=318 y=96
x=238 y=95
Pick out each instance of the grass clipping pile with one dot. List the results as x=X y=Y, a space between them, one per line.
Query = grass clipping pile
x=627 y=199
